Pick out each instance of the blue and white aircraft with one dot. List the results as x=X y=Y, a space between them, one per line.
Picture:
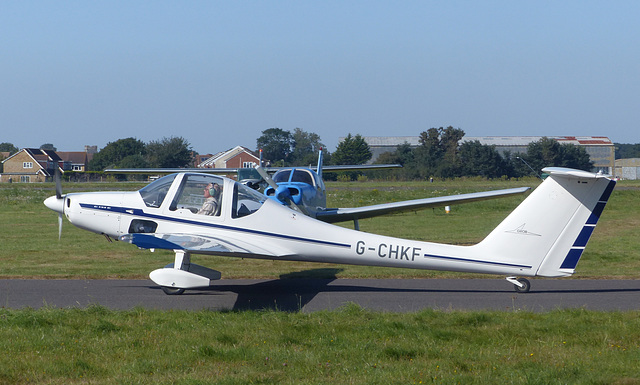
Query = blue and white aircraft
x=544 y=236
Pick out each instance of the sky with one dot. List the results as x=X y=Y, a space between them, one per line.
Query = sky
x=218 y=73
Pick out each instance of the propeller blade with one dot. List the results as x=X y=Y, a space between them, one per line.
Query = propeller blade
x=266 y=177
x=273 y=184
x=59 y=196
x=59 y=226
x=58 y=182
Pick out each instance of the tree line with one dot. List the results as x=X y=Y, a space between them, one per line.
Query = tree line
x=440 y=154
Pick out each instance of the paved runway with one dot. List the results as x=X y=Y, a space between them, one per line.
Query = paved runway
x=307 y=295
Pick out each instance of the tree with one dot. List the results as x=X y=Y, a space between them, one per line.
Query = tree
x=449 y=142
x=477 y=159
x=352 y=150
x=548 y=152
x=623 y=150
x=114 y=152
x=173 y=152
x=276 y=144
x=48 y=146
x=8 y=147
x=438 y=152
x=573 y=156
x=403 y=155
x=305 y=147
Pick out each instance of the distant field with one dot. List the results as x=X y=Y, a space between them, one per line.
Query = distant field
x=30 y=247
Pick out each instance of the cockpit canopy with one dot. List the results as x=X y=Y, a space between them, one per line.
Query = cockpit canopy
x=195 y=191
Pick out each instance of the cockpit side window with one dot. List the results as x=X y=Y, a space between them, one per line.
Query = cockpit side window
x=154 y=193
x=246 y=201
x=200 y=194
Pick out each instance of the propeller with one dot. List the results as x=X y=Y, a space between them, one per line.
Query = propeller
x=56 y=203
x=281 y=195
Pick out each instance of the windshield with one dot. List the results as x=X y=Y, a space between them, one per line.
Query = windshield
x=153 y=194
x=282 y=176
x=302 y=175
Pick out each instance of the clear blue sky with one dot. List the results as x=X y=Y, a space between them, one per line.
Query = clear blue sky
x=219 y=72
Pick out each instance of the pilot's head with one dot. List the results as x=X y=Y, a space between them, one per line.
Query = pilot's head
x=212 y=190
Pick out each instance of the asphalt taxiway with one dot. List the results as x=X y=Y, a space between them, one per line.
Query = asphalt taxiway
x=308 y=295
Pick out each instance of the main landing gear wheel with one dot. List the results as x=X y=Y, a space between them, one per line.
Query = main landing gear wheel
x=522 y=285
x=526 y=285
x=172 y=290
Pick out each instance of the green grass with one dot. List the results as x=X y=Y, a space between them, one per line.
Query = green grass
x=30 y=247
x=350 y=345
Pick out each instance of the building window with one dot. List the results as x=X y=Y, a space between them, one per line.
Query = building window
x=248 y=164
x=77 y=168
x=27 y=164
x=25 y=178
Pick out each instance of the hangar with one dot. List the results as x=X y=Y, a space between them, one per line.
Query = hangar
x=628 y=168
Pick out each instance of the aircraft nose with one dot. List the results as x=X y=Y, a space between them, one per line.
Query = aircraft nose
x=55 y=204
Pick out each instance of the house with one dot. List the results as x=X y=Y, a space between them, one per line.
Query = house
x=237 y=157
x=198 y=159
x=30 y=165
x=75 y=160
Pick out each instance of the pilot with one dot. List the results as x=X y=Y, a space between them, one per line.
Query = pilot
x=211 y=204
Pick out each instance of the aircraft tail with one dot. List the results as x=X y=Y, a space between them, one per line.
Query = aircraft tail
x=550 y=228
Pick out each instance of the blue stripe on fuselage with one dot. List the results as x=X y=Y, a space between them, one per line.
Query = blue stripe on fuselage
x=476 y=261
x=141 y=213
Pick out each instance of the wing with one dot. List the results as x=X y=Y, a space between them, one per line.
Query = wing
x=346 y=214
x=222 y=171
x=201 y=244
x=356 y=167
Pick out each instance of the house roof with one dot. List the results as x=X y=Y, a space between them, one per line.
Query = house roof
x=220 y=155
x=75 y=157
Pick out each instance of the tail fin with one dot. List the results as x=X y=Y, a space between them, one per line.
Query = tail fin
x=550 y=229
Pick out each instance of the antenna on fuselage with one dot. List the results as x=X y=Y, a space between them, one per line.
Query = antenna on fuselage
x=531 y=168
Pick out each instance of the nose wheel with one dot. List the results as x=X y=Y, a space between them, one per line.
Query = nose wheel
x=172 y=290
x=521 y=285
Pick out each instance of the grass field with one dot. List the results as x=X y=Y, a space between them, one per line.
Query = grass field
x=348 y=346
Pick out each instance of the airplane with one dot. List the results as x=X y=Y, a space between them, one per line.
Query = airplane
x=544 y=236
x=303 y=189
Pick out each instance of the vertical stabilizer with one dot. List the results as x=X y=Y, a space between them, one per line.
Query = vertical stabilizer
x=550 y=229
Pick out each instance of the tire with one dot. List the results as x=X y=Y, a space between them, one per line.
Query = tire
x=172 y=290
x=526 y=285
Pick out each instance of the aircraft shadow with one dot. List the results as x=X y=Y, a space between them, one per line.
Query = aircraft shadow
x=291 y=292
